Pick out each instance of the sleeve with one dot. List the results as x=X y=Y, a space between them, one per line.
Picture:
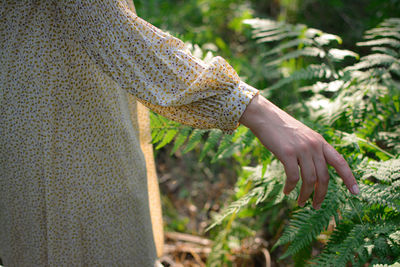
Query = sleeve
x=156 y=67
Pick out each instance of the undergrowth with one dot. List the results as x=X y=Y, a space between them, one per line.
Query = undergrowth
x=354 y=102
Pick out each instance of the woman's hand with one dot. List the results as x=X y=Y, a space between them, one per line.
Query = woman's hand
x=296 y=145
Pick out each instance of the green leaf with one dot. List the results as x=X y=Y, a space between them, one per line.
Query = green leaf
x=306 y=52
x=194 y=139
x=213 y=138
x=180 y=139
x=380 y=42
x=225 y=144
x=340 y=54
x=168 y=137
x=326 y=38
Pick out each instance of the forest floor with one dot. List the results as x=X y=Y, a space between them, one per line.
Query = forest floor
x=191 y=192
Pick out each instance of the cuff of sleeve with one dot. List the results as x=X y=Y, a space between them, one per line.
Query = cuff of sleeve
x=234 y=106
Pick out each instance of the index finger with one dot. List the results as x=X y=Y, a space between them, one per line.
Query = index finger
x=336 y=160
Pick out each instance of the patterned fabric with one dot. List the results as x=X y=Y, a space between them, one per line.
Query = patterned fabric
x=141 y=122
x=73 y=186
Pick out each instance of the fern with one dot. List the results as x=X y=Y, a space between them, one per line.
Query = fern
x=193 y=140
x=388 y=171
x=180 y=139
x=370 y=231
x=307 y=224
x=367 y=225
x=391 y=42
x=307 y=51
x=264 y=187
x=397 y=264
x=365 y=240
x=299 y=44
x=339 y=55
x=167 y=138
x=312 y=71
x=224 y=148
x=383 y=191
x=351 y=238
x=354 y=102
x=386 y=50
x=375 y=60
x=386 y=196
x=286 y=45
x=212 y=141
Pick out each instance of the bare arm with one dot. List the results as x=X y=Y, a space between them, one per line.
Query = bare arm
x=296 y=145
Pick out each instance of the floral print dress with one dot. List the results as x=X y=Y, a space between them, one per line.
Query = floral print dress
x=72 y=175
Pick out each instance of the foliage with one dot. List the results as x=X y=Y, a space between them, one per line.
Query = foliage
x=354 y=103
x=361 y=99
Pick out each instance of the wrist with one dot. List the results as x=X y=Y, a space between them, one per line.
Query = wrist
x=257 y=112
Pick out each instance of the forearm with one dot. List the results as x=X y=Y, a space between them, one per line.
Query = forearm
x=261 y=112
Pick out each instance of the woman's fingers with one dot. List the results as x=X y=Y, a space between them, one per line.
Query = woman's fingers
x=321 y=187
x=336 y=160
x=309 y=178
x=292 y=174
x=314 y=172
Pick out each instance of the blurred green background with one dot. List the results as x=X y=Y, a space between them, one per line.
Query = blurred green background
x=194 y=190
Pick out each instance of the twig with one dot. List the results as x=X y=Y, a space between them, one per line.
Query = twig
x=188 y=238
x=186 y=248
x=267 y=257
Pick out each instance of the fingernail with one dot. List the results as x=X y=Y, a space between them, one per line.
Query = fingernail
x=317 y=207
x=302 y=204
x=355 y=190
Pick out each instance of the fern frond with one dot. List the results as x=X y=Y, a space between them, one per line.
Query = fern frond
x=340 y=54
x=395 y=237
x=385 y=191
x=307 y=224
x=290 y=44
x=158 y=135
x=387 y=171
x=342 y=253
x=194 y=139
x=278 y=37
x=264 y=24
x=382 y=32
x=168 y=137
x=373 y=234
x=212 y=140
x=386 y=50
x=305 y=52
x=235 y=206
x=324 y=39
x=270 y=30
x=374 y=60
x=267 y=186
x=391 y=22
x=395 y=68
x=396 y=264
x=181 y=138
x=161 y=128
x=381 y=42
x=382 y=195
x=225 y=147
x=248 y=138
x=388 y=28
x=321 y=71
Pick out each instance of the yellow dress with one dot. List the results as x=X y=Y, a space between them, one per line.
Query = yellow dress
x=72 y=175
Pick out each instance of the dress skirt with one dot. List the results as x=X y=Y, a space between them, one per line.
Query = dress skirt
x=73 y=185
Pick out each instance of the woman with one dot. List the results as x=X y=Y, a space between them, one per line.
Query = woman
x=73 y=181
